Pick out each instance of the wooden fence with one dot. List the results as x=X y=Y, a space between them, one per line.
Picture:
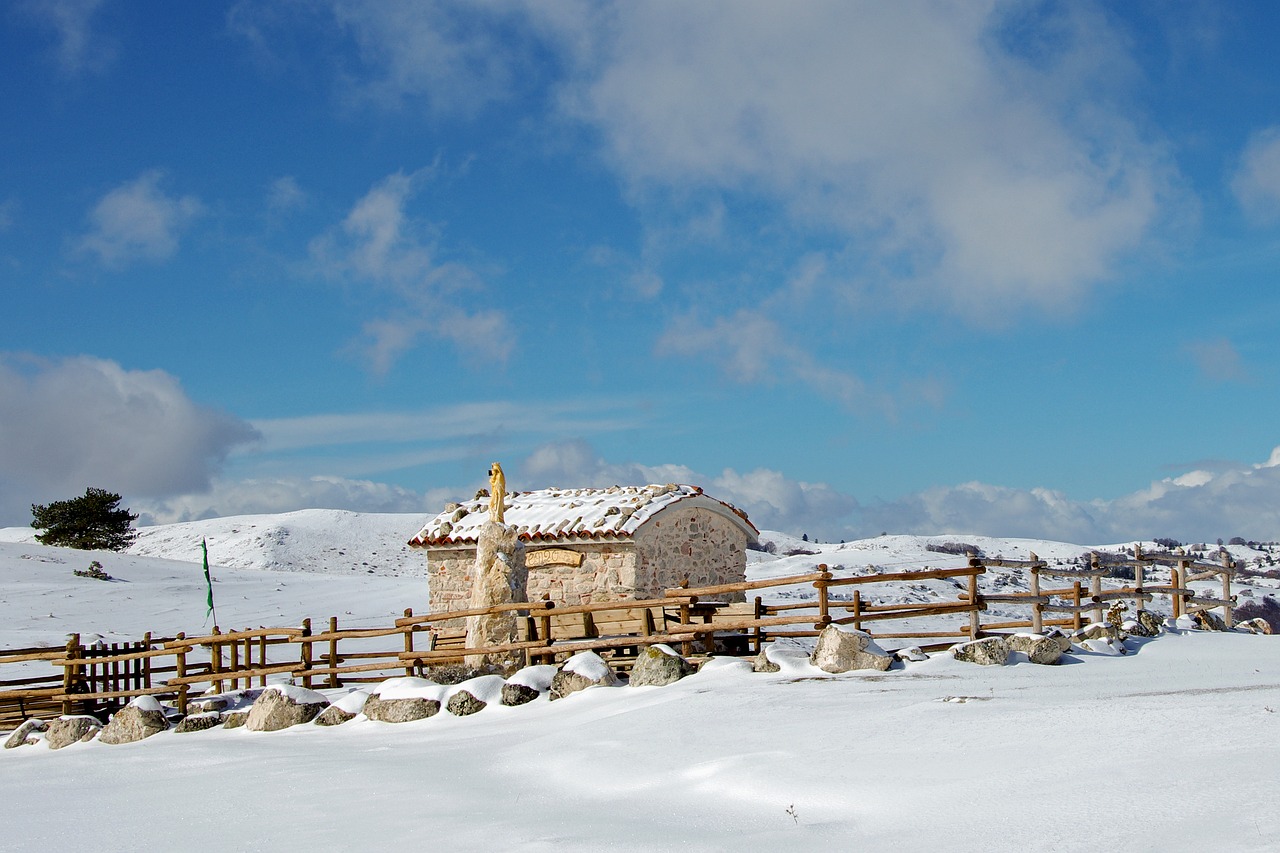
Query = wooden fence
x=699 y=621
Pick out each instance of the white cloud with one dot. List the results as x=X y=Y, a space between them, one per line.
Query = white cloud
x=770 y=499
x=138 y=221
x=284 y=195
x=1256 y=182
x=751 y=348
x=1000 y=179
x=79 y=47
x=379 y=244
x=286 y=494
x=84 y=421
x=1218 y=360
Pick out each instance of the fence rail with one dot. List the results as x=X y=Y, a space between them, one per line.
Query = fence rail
x=99 y=678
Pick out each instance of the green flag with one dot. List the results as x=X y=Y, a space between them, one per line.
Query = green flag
x=208 y=582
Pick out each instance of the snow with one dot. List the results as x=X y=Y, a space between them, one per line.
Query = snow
x=929 y=755
x=589 y=665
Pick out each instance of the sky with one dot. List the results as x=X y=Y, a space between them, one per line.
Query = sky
x=1004 y=268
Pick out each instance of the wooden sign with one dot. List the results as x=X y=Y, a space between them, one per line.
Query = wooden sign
x=553 y=557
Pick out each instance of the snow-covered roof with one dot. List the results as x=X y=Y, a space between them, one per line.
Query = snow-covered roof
x=557 y=514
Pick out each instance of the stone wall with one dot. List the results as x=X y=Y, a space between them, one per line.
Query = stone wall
x=607 y=573
x=692 y=542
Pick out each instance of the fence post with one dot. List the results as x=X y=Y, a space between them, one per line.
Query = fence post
x=333 y=652
x=180 y=662
x=1095 y=586
x=408 y=641
x=146 y=662
x=975 y=621
x=545 y=619
x=1037 y=608
x=304 y=650
x=1175 y=581
x=686 y=647
x=233 y=665
x=1228 y=566
x=70 y=673
x=215 y=661
x=1139 y=576
x=758 y=634
x=824 y=614
x=262 y=658
x=857 y=610
x=1078 y=621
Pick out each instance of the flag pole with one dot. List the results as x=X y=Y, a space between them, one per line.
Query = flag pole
x=208 y=582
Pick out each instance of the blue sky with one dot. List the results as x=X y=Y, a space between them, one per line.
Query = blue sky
x=1004 y=268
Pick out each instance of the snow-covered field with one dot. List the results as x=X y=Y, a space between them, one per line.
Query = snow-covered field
x=1172 y=747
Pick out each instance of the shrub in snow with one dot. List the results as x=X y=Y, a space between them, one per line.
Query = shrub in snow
x=140 y=719
x=583 y=670
x=30 y=732
x=658 y=666
x=989 y=651
x=1268 y=610
x=281 y=706
x=841 y=649
x=65 y=731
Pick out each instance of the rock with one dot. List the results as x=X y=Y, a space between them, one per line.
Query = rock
x=1063 y=641
x=911 y=653
x=140 y=719
x=1038 y=649
x=583 y=670
x=462 y=704
x=1150 y=622
x=841 y=649
x=518 y=694
x=1207 y=620
x=1099 y=631
x=281 y=706
x=214 y=703
x=400 y=710
x=989 y=651
x=1257 y=625
x=333 y=716
x=234 y=719
x=762 y=663
x=201 y=722
x=658 y=666
x=65 y=731
x=27 y=733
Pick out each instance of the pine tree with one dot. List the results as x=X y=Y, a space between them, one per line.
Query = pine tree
x=93 y=521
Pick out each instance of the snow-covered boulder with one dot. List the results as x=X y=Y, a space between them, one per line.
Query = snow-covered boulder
x=1257 y=625
x=474 y=695
x=1037 y=647
x=283 y=705
x=200 y=722
x=402 y=700
x=1207 y=620
x=30 y=732
x=141 y=718
x=528 y=684
x=658 y=666
x=842 y=649
x=65 y=731
x=343 y=710
x=583 y=670
x=763 y=663
x=911 y=653
x=989 y=651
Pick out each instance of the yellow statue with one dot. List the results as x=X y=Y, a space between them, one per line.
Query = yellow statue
x=497 y=492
